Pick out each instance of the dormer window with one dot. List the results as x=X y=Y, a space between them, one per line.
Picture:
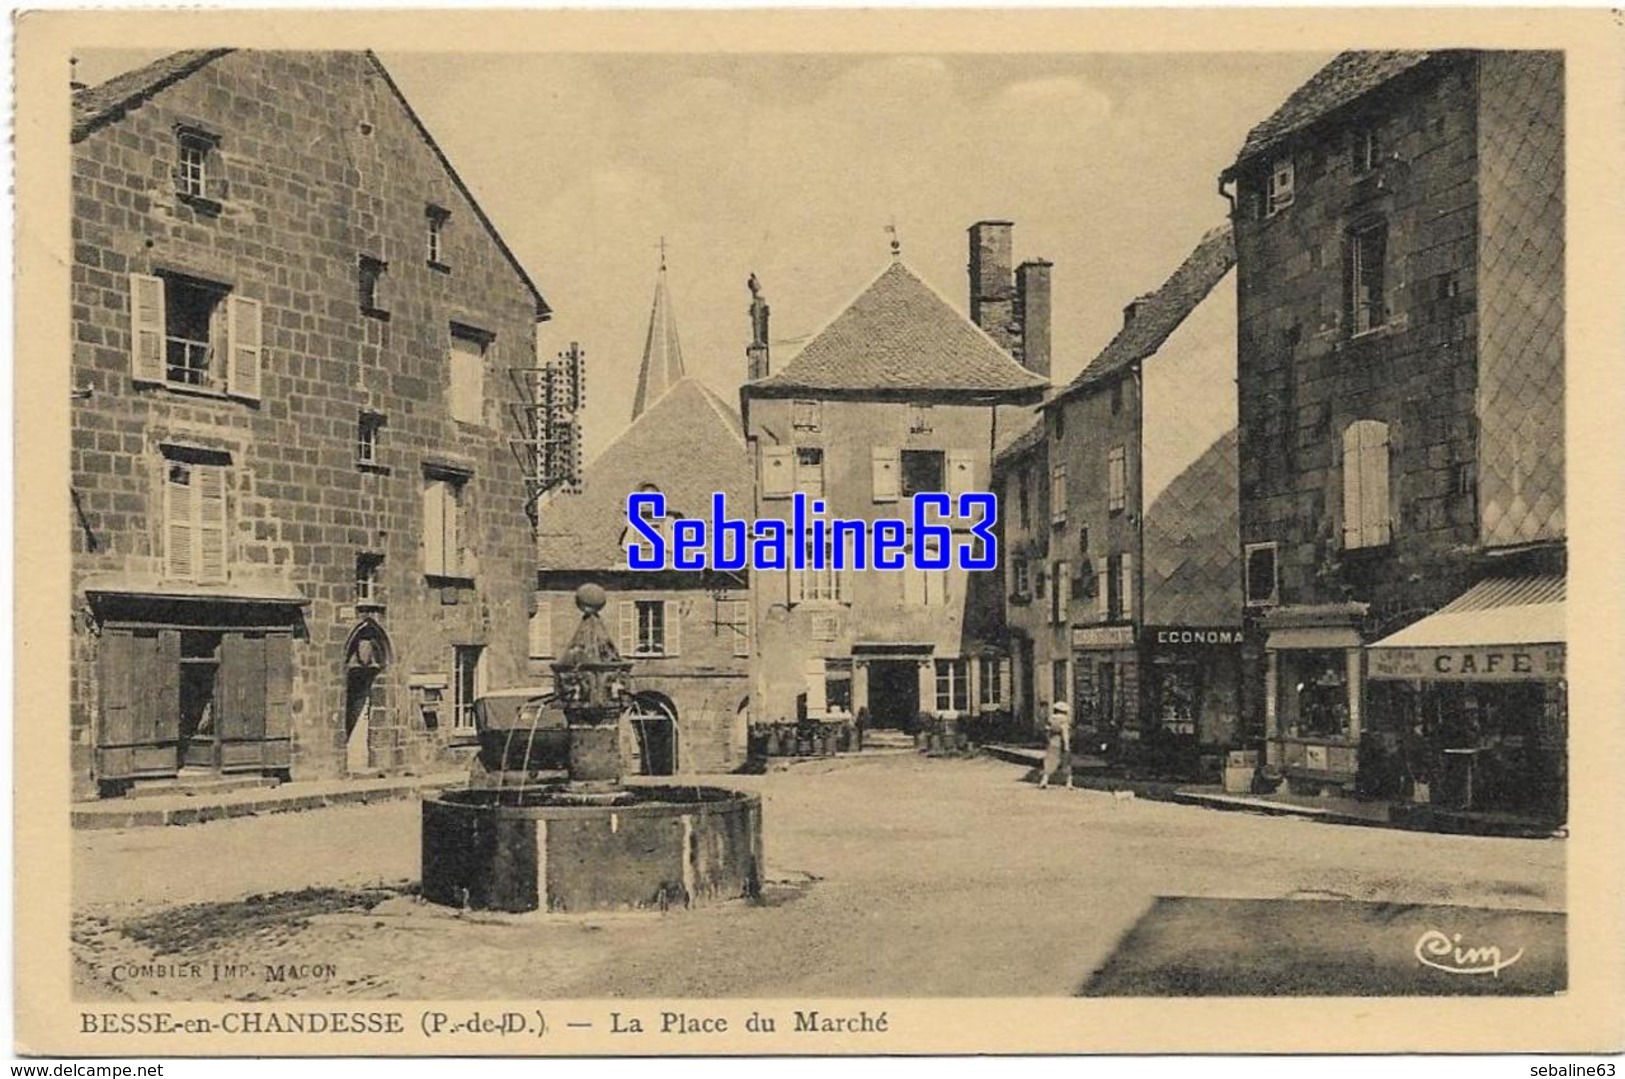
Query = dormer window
x=1280 y=192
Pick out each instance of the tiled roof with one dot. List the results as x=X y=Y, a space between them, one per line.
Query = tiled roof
x=105 y=102
x=1161 y=313
x=1350 y=75
x=688 y=444
x=1192 y=543
x=899 y=336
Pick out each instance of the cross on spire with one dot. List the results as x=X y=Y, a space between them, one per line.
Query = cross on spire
x=896 y=244
x=662 y=248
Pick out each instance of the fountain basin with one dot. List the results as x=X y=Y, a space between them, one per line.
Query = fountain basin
x=657 y=847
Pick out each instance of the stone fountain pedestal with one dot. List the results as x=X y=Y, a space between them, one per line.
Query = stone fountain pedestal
x=591 y=843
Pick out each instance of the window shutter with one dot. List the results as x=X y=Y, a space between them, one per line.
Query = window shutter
x=817 y=701
x=778 y=471
x=1006 y=682
x=629 y=627
x=961 y=474
x=278 y=700
x=672 y=615
x=541 y=630
x=913 y=579
x=117 y=728
x=886 y=472
x=1352 y=504
x=457 y=559
x=434 y=528
x=1374 y=485
x=1126 y=586
x=243 y=341
x=179 y=481
x=1102 y=596
x=146 y=328
x=209 y=487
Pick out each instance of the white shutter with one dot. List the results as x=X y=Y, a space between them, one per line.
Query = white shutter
x=816 y=695
x=886 y=471
x=1006 y=682
x=961 y=474
x=541 y=630
x=179 y=480
x=629 y=627
x=244 y=340
x=1116 y=478
x=434 y=528
x=1127 y=586
x=672 y=614
x=1352 y=503
x=1102 y=596
x=739 y=618
x=1060 y=592
x=1374 y=484
x=913 y=579
x=146 y=328
x=209 y=491
x=778 y=471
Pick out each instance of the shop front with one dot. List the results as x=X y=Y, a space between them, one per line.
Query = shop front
x=1313 y=692
x=1192 y=677
x=1478 y=692
x=1105 y=688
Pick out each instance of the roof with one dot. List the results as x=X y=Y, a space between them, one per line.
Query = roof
x=1496 y=611
x=1023 y=441
x=1192 y=543
x=662 y=366
x=97 y=106
x=1161 y=312
x=688 y=443
x=1350 y=75
x=901 y=336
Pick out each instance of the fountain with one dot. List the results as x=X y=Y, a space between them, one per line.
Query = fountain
x=589 y=842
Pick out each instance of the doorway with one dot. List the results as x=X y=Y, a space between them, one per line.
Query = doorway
x=654 y=724
x=894 y=694
x=358 y=719
x=200 y=670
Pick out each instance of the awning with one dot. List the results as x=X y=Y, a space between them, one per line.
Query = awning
x=1501 y=629
x=145 y=587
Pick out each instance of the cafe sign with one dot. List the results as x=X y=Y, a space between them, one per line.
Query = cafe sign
x=1479 y=663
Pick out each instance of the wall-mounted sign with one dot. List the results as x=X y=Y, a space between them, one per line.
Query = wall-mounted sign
x=1102 y=636
x=1191 y=636
x=1488 y=663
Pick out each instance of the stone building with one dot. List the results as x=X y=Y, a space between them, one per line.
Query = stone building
x=898 y=394
x=300 y=543
x=1399 y=234
x=689 y=632
x=1124 y=580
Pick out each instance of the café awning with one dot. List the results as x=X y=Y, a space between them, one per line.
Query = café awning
x=1501 y=629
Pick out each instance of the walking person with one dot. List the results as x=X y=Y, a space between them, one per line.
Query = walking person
x=1059 y=752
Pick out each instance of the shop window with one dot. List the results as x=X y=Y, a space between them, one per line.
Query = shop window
x=806 y=416
x=924 y=472
x=1176 y=693
x=467 y=364
x=1259 y=568
x=1314 y=694
x=953 y=685
x=195 y=521
x=1366 y=521
x=467 y=684
x=1365 y=287
x=809 y=476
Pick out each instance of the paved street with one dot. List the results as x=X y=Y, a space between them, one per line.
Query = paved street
x=890 y=876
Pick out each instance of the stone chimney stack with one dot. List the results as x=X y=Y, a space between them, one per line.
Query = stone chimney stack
x=1033 y=314
x=757 y=355
x=992 y=285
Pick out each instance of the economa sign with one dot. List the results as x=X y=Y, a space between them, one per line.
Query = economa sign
x=1485 y=663
x=1190 y=636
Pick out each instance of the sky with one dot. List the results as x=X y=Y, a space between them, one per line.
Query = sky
x=792 y=167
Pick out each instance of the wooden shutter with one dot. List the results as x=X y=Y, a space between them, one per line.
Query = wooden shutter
x=541 y=630
x=1060 y=592
x=146 y=328
x=629 y=627
x=116 y=730
x=1006 y=682
x=741 y=621
x=961 y=474
x=244 y=338
x=180 y=480
x=243 y=691
x=1374 y=484
x=209 y=495
x=817 y=700
x=434 y=527
x=886 y=472
x=1127 y=586
x=278 y=751
x=1102 y=593
x=672 y=615
x=778 y=471
x=1116 y=478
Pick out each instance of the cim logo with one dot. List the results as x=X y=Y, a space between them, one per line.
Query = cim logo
x=1442 y=952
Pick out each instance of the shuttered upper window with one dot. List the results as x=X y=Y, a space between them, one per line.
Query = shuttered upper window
x=650 y=627
x=468 y=347
x=1366 y=521
x=188 y=333
x=195 y=539
x=444 y=552
x=1116 y=479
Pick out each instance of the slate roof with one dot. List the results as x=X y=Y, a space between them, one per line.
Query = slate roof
x=662 y=366
x=1192 y=543
x=901 y=336
x=1161 y=313
x=1350 y=75
x=1023 y=441
x=688 y=443
x=97 y=106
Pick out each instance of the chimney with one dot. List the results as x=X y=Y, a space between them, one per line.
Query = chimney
x=1132 y=309
x=74 y=85
x=758 y=365
x=1033 y=312
x=992 y=287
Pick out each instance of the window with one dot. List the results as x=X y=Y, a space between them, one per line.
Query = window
x=1367 y=249
x=1113 y=591
x=443 y=526
x=919 y=419
x=194 y=334
x=370 y=274
x=1058 y=680
x=195 y=530
x=1083 y=540
x=649 y=627
x=1059 y=593
x=826 y=585
x=541 y=630
x=1313 y=690
x=1366 y=150
x=1365 y=484
x=1116 y=479
x=926 y=587
x=1175 y=695
x=198 y=172
x=924 y=471
x=1117 y=396
x=733 y=620
x=1280 y=186
x=810 y=470
x=468 y=682
x=1020 y=578
x=806 y=416
x=1058 y=423
x=1024 y=497
x=953 y=685
x=1259 y=570
x=1057 y=495
x=368 y=587
x=467 y=360
x=368 y=426
x=437 y=218
x=990 y=681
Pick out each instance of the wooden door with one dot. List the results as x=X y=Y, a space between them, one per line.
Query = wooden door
x=139 y=724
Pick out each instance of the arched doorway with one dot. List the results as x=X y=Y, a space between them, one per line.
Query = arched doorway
x=366 y=655
x=654 y=726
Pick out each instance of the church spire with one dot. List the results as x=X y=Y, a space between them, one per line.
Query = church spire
x=662 y=354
